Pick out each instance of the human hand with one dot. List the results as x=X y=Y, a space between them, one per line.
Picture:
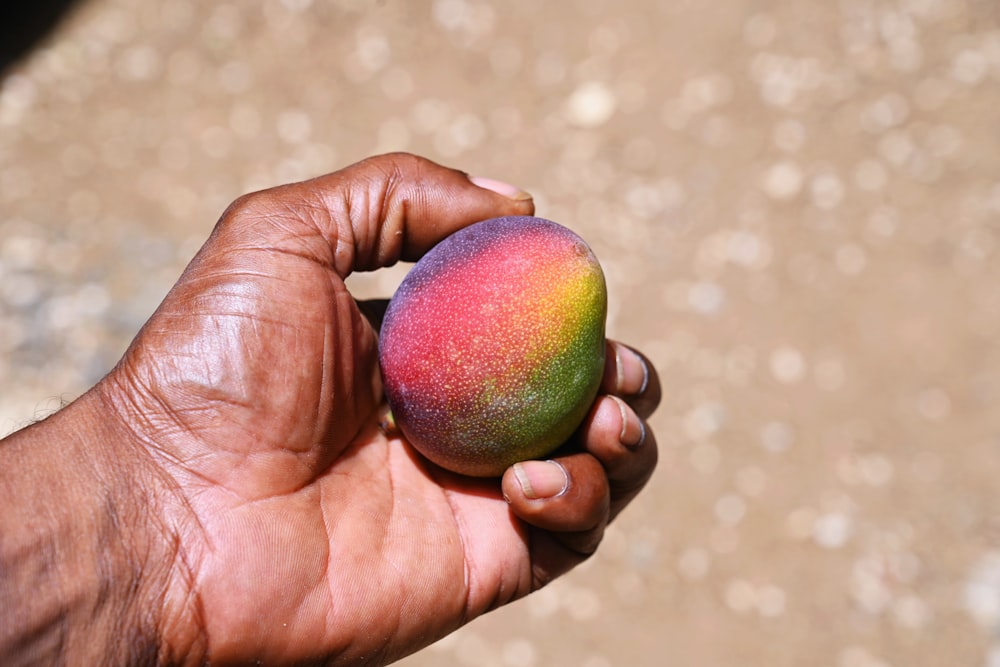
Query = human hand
x=284 y=525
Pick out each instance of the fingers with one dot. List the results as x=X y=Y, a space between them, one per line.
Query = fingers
x=400 y=205
x=621 y=454
x=377 y=211
x=569 y=501
x=568 y=496
x=615 y=431
x=630 y=375
x=624 y=445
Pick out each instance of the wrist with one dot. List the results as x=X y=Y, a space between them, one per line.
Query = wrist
x=84 y=570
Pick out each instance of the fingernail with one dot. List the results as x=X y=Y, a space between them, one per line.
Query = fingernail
x=633 y=374
x=541 y=479
x=633 y=433
x=506 y=189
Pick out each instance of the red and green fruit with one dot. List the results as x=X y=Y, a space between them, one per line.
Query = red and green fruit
x=492 y=348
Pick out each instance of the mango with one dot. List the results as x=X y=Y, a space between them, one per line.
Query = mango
x=492 y=348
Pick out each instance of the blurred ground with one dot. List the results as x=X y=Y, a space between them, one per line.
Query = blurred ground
x=798 y=207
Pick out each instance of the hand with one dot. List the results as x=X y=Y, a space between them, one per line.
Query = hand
x=260 y=513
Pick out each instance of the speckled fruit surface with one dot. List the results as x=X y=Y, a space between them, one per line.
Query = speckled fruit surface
x=492 y=348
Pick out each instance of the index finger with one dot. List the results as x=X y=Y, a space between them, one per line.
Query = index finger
x=397 y=206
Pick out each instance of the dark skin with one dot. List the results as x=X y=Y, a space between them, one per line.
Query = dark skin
x=226 y=495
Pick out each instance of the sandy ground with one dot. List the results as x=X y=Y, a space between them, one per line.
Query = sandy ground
x=798 y=208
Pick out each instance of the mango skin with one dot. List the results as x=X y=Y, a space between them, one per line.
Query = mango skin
x=492 y=348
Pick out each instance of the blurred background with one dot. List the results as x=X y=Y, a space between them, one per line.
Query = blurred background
x=797 y=204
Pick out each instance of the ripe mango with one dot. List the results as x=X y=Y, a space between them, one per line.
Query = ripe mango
x=492 y=347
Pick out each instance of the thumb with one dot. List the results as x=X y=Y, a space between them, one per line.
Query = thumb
x=373 y=213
